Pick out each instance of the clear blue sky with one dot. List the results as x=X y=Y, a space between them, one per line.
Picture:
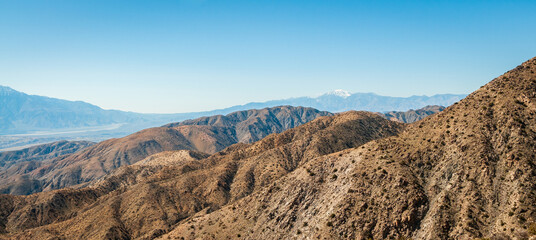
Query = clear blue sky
x=181 y=56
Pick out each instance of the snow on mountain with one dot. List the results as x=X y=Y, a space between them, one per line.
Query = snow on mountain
x=339 y=93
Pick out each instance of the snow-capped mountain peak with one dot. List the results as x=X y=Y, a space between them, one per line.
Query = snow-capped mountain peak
x=339 y=93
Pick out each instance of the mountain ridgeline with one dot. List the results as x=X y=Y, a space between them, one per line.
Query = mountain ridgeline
x=21 y=113
x=208 y=135
x=341 y=101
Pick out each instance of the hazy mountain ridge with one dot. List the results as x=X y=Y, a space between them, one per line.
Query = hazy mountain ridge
x=22 y=113
x=267 y=120
x=42 y=152
x=361 y=102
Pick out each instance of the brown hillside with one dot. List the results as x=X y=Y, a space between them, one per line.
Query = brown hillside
x=413 y=115
x=149 y=198
x=253 y=125
x=14 y=164
x=41 y=152
x=205 y=136
x=468 y=172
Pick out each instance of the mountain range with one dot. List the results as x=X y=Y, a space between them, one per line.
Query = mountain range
x=341 y=101
x=208 y=135
x=412 y=115
x=158 y=192
x=28 y=120
x=467 y=172
x=30 y=114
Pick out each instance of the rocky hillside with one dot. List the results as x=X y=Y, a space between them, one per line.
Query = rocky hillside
x=208 y=135
x=413 y=115
x=252 y=125
x=14 y=164
x=468 y=172
x=41 y=152
x=148 y=199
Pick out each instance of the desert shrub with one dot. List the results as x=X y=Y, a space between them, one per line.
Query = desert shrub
x=520 y=103
x=532 y=229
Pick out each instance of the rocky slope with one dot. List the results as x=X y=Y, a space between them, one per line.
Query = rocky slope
x=41 y=152
x=151 y=197
x=468 y=172
x=252 y=125
x=14 y=164
x=208 y=135
x=413 y=115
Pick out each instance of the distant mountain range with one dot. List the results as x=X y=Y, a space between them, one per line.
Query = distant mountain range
x=341 y=101
x=21 y=113
x=27 y=120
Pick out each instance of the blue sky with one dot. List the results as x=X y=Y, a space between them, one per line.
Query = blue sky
x=181 y=56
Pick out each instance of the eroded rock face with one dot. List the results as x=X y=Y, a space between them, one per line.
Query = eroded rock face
x=151 y=197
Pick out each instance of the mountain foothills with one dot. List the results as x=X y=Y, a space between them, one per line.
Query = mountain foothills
x=149 y=198
x=208 y=135
x=41 y=152
x=466 y=172
x=244 y=126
